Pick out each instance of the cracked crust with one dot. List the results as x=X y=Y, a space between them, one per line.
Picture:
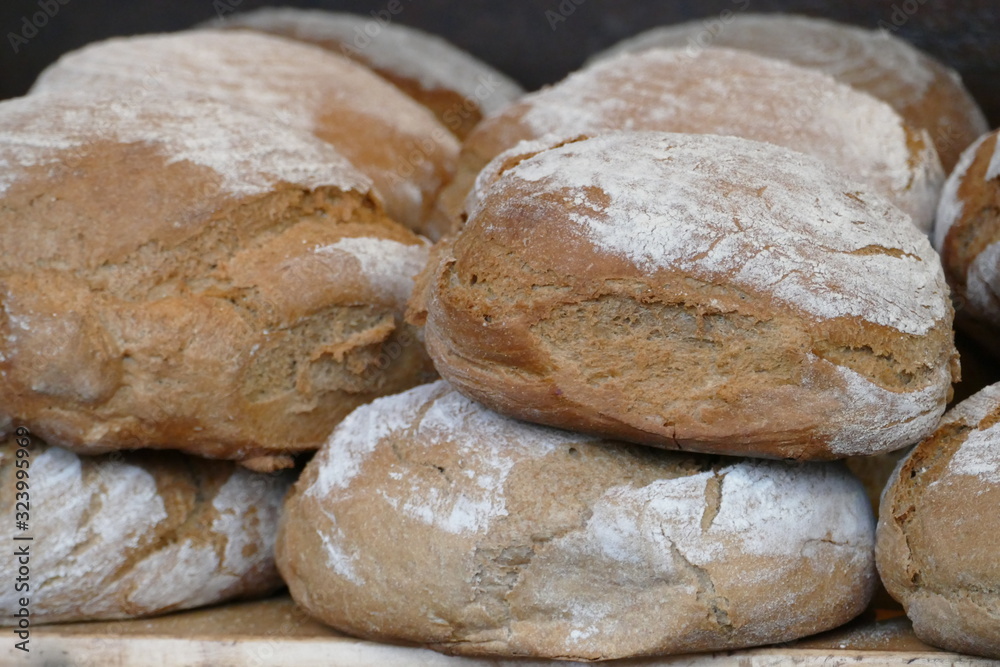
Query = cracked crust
x=230 y=289
x=429 y=519
x=123 y=536
x=742 y=309
x=936 y=546
x=724 y=92
x=967 y=234
x=385 y=134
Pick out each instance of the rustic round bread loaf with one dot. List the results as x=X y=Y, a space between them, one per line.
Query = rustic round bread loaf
x=384 y=133
x=937 y=548
x=181 y=274
x=719 y=91
x=694 y=292
x=967 y=233
x=124 y=535
x=429 y=519
x=924 y=92
x=459 y=88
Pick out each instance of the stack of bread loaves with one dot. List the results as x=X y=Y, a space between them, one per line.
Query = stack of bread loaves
x=689 y=292
x=668 y=294
x=206 y=245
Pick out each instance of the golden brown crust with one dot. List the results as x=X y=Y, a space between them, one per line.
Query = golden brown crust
x=936 y=549
x=528 y=316
x=385 y=134
x=725 y=92
x=968 y=233
x=150 y=302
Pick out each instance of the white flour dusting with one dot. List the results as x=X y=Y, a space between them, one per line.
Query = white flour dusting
x=950 y=207
x=447 y=415
x=993 y=171
x=433 y=62
x=979 y=456
x=79 y=558
x=873 y=60
x=767 y=509
x=250 y=154
x=790 y=106
x=389 y=266
x=874 y=418
x=773 y=221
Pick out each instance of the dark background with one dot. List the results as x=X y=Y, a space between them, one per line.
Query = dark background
x=517 y=36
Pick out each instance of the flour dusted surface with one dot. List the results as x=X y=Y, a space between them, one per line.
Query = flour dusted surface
x=524 y=540
x=850 y=54
x=779 y=223
x=979 y=454
x=387 y=265
x=950 y=207
x=250 y=154
x=108 y=546
x=801 y=109
x=397 y=48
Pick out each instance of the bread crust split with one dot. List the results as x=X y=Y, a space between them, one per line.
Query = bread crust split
x=183 y=274
x=725 y=92
x=429 y=519
x=693 y=292
x=937 y=530
x=129 y=535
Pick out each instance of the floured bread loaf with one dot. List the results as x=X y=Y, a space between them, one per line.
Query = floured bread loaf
x=924 y=92
x=719 y=91
x=385 y=134
x=937 y=547
x=520 y=540
x=694 y=292
x=457 y=87
x=123 y=536
x=967 y=233
x=182 y=274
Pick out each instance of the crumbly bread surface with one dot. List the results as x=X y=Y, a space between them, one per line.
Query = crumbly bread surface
x=936 y=550
x=126 y=535
x=385 y=134
x=695 y=292
x=182 y=274
x=429 y=519
x=725 y=92
x=924 y=92
x=456 y=86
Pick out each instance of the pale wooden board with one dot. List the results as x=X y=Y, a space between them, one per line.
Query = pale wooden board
x=275 y=632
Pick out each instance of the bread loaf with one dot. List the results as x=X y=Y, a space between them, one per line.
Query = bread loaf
x=385 y=134
x=967 y=234
x=183 y=274
x=456 y=86
x=128 y=535
x=727 y=92
x=937 y=530
x=924 y=92
x=428 y=519
x=694 y=292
